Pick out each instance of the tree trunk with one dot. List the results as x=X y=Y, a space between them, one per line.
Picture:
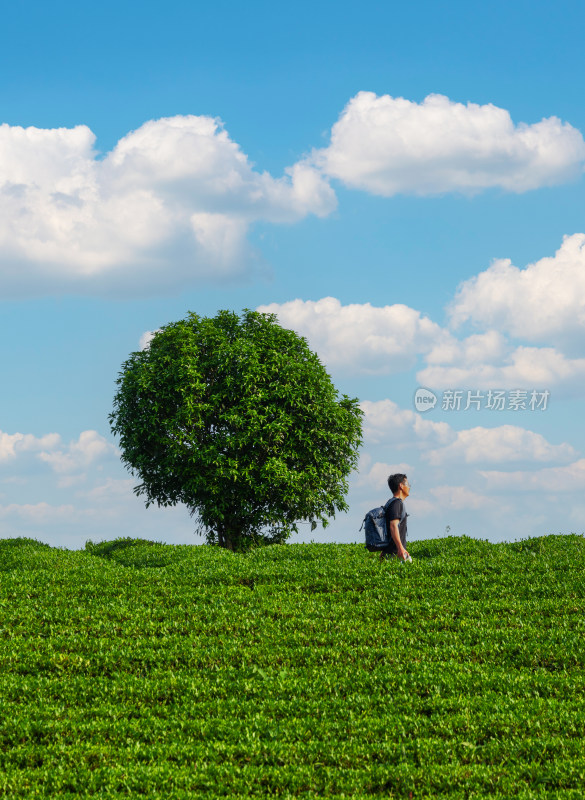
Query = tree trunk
x=225 y=540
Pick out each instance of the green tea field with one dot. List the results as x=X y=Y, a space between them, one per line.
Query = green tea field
x=136 y=669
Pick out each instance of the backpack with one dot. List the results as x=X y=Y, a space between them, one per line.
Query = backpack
x=376 y=528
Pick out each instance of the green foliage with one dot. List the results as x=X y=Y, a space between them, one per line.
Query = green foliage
x=138 y=552
x=237 y=419
x=296 y=671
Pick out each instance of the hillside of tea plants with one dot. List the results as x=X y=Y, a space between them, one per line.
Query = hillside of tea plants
x=136 y=669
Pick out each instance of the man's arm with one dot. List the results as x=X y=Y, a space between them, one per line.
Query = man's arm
x=395 y=534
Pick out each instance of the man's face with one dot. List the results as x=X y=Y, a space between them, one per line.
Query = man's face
x=405 y=486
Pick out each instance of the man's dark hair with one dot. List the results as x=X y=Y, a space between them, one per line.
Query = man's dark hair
x=394 y=481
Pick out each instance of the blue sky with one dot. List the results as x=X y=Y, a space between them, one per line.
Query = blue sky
x=401 y=183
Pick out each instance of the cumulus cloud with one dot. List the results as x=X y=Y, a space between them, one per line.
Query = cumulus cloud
x=568 y=478
x=69 y=461
x=65 y=492
x=39 y=513
x=488 y=346
x=385 y=421
x=459 y=498
x=172 y=203
x=523 y=368
x=104 y=508
x=89 y=448
x=364 y=339
x=545 y=302
x=13 y=444
x=112 y=489
x=374 y=474
x=389 y=145
x=360 y=337
x=147 y=338
x=505 y=443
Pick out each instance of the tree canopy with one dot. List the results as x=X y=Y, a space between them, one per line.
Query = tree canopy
x=237 y=418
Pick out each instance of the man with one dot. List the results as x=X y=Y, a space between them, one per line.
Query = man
x=396 y=518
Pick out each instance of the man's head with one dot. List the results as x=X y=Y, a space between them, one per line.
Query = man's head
x=399 y=482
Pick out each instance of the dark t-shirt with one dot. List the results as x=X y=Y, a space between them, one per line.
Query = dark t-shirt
x=395 y=510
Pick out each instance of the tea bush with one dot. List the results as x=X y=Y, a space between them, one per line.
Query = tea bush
x=134 y=668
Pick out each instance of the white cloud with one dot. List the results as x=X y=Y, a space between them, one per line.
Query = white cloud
x=81 y=492
x=387 y=145
x=374 y=474
x=113 y=489
x=69 y=462
x=147 y=338
x=13 y=444
x=502 y=444
x=89 y=448
x=459 y=498
x=39 y=513
x=569 y=478
x=171 y=204
x=386 y=422
x=360 y=337
x=544 y=302
x=365 y=339
x=481 y=347
x=527 y=368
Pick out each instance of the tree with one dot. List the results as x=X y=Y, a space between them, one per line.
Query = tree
x=238 y=419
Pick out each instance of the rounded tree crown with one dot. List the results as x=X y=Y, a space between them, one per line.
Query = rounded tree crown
x=237 y=418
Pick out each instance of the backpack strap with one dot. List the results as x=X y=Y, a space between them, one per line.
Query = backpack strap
x=385 y=506
x=404 y=514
